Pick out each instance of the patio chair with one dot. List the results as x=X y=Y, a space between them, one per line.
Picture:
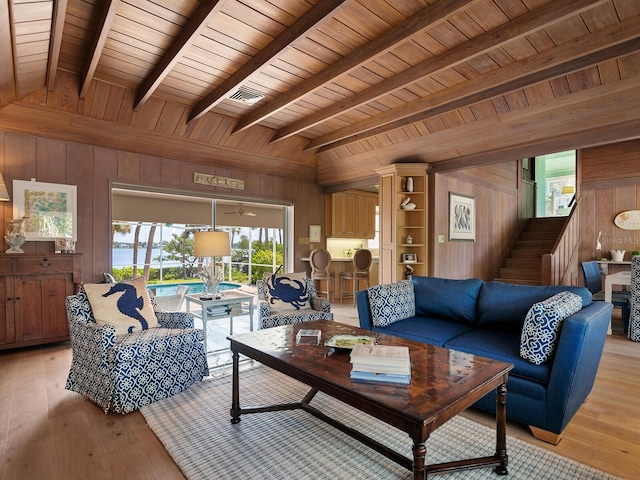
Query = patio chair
x=173 y=302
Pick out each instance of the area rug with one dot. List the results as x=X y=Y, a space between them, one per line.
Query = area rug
x=195 y=428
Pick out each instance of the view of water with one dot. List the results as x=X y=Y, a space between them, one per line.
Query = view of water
x=123 y=257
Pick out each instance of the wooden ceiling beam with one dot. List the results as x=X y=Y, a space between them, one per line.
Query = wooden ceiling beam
x=104 y=26
x=55 y=42
x=520 y=27
x=317 y=14
x=187 y=36
x=8 y=85
x=589 y=50
x=427 y=17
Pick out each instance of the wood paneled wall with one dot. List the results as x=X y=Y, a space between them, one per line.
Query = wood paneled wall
x=495 y=188
x=93 y=168
x=609 y=178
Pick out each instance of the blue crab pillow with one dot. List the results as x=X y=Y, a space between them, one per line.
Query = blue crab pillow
x=543 y=323
x=125 y=305
x=287 y=291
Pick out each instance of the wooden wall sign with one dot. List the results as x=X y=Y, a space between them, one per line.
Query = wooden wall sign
x=216 y=181
x=628 y=220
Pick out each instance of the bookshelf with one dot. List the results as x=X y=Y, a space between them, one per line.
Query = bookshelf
x=398 y=254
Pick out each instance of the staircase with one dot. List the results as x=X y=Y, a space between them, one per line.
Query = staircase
x=524 y=263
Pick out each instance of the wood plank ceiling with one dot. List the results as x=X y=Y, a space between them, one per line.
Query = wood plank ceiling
x=336 y=87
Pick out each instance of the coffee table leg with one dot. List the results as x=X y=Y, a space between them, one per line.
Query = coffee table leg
x=235 y=392
x=419 y=455
x=501 y=430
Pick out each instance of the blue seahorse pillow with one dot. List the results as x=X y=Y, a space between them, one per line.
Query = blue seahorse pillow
x=124 y=305
x=287 y=291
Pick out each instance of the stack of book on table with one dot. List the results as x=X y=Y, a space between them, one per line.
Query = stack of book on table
x=381 y=363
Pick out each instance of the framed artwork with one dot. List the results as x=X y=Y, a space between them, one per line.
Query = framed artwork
x=50 y=209
x=409 y=258
x=315 y=233
x=462 y=217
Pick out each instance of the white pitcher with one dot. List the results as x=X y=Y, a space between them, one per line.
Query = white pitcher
x=617 y=255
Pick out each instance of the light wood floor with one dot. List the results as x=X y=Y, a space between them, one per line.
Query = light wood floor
x=47 y=432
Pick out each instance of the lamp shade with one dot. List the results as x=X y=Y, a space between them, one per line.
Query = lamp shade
x=211 y=244
x=4 y=195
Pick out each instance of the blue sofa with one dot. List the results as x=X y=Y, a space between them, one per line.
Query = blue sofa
x=486 y=318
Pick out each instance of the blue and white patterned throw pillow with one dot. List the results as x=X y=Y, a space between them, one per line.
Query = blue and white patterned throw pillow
x=542 y=326
x=287 y=291
x=391 y=302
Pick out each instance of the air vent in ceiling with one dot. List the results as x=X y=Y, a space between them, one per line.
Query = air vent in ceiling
x=246 y=95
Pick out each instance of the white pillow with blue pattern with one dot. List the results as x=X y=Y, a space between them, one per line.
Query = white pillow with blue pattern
x=287 y=291
x=391 y=302
x=542 y=326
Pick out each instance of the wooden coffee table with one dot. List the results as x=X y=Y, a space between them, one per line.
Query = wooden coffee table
x=443 y=384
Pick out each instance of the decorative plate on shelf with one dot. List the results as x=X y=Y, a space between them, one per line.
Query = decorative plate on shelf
x=347 y=342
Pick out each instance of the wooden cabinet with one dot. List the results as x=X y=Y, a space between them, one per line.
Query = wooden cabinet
x=33 y=288
x=350 y=214
x=400 y=255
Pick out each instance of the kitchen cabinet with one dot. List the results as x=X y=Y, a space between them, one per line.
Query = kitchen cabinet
x=351 y=214
x=33 y=288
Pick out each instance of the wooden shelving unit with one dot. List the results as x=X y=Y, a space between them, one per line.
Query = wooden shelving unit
x=396 y=222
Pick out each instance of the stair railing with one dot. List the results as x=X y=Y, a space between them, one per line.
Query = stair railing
x=556 y=265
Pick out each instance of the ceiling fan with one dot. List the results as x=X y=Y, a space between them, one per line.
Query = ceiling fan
x=241 y=211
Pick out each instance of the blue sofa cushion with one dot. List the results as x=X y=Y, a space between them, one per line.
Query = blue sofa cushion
x=453 y=300
x=542 y=326
x=504 y=306
x=391 y=302
x=433 y=331
x=504 y=346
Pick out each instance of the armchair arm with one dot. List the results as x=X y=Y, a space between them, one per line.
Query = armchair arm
x=320 y=304
x=91 y=341
x=364 y=310
x=263 y=308
x=175 y=319
x=576 y=362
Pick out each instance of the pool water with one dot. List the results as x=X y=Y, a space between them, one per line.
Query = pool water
x=170 y=288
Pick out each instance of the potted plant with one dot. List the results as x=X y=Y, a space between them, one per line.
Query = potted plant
x=635 y=253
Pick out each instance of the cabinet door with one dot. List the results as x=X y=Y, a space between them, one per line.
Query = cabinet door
x=7 y=333
x=40 y=307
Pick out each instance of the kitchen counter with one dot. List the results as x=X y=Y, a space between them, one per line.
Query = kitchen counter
x=344 y=264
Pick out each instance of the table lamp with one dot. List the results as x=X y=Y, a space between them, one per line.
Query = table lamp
x=210 y=245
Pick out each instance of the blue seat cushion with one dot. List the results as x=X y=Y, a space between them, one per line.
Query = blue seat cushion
x=433 y=331
x=451 y=299
x=503 y=346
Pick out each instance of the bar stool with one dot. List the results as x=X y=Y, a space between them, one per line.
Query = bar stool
x=361 y=265
x=320 y=260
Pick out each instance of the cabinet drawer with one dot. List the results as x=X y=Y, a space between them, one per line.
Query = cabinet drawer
x=6 y=265
x=45 y=264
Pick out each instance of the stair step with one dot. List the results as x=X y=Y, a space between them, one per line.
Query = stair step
x=518 y=282
x=539 y=236
x=528 y=253
x=530 y=263
x=521 y=273
x=534 y=244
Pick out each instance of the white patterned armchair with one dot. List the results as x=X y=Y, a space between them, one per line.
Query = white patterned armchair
x=307 y=306
x=122 y=373
x=634 y=318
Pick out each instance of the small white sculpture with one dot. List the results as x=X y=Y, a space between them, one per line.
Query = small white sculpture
x=15 y=235
x=617 y=255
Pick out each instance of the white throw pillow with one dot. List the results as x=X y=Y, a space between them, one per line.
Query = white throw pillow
x=125 y=305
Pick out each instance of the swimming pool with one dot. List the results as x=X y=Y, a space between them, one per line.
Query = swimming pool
x=196 y=287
